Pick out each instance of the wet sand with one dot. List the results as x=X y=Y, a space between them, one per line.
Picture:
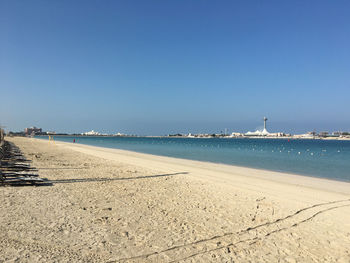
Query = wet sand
x=108 y=205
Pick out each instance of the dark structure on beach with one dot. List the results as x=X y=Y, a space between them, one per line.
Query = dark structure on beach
x=15 y=169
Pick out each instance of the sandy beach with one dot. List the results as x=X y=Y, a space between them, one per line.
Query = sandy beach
x=108 y=205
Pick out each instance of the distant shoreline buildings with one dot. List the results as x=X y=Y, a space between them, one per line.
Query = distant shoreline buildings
x=309 y=135
x=265 y=134
x=256 y=134
x=94 y=133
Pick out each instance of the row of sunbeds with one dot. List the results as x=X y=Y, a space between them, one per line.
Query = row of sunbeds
x=15 y=169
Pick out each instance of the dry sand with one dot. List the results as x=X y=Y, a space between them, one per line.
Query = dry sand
x=108 y=205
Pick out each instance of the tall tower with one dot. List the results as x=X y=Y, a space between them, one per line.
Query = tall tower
x=265 y=119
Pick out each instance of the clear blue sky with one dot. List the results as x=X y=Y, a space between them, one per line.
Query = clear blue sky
x=158 y=67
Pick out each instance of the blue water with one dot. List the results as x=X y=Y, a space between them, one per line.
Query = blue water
x=318 y=158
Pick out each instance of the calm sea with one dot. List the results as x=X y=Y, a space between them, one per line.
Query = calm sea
x=318 y=158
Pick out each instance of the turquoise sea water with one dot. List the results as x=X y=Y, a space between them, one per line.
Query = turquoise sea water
x=318 y=158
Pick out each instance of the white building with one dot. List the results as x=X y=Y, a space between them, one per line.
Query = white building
x=264 y=132
x=236 y=134
x=90 y=133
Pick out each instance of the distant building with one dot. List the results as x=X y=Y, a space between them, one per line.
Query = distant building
x=277 y=134
x=236 y=134
x=91 y=133
x=263 y=132
x=324 y=134
x=32 y=130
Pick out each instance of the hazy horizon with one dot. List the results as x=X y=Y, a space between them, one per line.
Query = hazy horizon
x=155 y=67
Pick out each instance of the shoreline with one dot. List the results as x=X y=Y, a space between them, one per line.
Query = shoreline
x=213 y=163
x=137 y=158
x=218 y=137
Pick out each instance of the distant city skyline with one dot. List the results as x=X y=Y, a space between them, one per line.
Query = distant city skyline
x=156 y=67
x=134 y=127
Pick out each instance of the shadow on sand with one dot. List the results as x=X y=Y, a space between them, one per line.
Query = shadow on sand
x=87 y=180
x=62 y=168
